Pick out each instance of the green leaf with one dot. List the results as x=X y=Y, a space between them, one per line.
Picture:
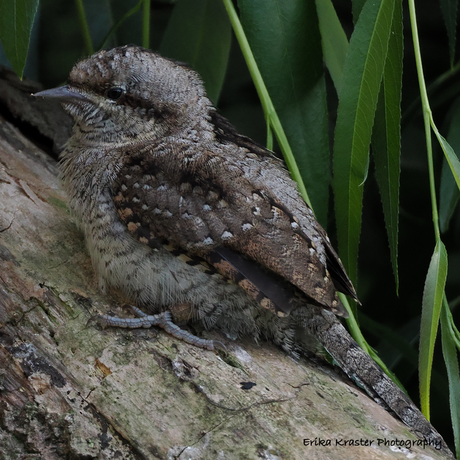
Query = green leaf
x=284 y=37
x=449 y=13
x=449 y=353
x=431 y=308
x=387 y=136
x=450 y=155
x=334 y=41
x=357 y=104
x=357 y=7
x=448 y=197
x=199 y=34
x=16 y=20
x=449 y=192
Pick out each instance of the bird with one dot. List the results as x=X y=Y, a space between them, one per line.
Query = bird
x=193 y=221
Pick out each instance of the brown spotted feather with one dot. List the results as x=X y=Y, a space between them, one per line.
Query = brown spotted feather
x=210 y=200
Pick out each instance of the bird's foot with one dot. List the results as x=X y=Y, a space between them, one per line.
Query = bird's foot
x=163 y=320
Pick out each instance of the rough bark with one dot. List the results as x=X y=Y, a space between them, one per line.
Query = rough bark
x=71 y=390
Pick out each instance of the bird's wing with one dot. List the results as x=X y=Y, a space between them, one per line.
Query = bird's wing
x=224 y=206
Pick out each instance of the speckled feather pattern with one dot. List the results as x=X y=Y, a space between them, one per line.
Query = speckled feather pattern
x=186 y=216
x=176 y=179
x=222 y=195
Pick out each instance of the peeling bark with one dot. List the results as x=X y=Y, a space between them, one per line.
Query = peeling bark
x=70 y=390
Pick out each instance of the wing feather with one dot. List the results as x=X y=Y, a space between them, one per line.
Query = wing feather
x=231 y=202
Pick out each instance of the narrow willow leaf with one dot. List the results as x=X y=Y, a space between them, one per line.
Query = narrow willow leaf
x=358 y=99
x=16 y=20
x=454 y=332
x=449 y=193
x=387 y=136
x=199 y=34
x=450 y=155
x=357 y=7
x=284 y=37
x=449 y=13
x=333 y=39
x=449 y=353
x=431 y=308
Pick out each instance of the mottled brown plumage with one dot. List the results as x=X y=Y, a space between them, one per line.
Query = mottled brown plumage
x=186 y=216
x=221 y=195
x=193 y=182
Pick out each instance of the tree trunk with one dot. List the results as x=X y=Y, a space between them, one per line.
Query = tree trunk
x=70 y=390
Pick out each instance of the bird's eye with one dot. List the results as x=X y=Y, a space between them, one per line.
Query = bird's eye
x=114 y=93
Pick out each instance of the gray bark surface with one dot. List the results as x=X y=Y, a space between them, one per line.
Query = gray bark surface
x=69 y=390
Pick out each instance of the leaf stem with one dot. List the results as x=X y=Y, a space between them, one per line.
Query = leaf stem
x=427 y=117
x=146 y=24
x=84 y=27
x=358 y=336
x=271 y=116
x=114 y=28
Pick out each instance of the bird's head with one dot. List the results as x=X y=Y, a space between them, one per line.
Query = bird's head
x=130 y=93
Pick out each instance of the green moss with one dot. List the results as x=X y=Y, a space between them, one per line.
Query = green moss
x=57 y=203
x=231 y=360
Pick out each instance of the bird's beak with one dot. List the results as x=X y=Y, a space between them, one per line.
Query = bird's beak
x=62 y=94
